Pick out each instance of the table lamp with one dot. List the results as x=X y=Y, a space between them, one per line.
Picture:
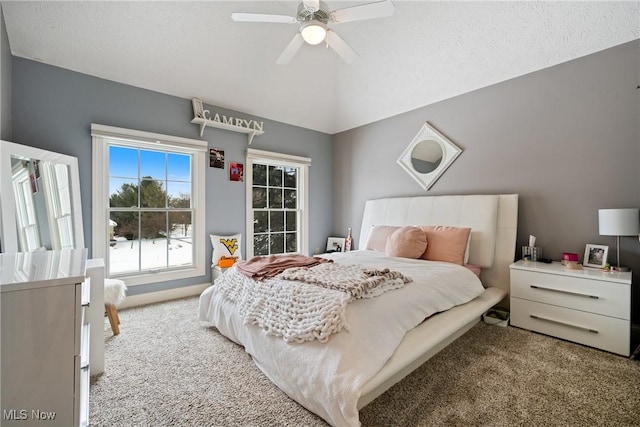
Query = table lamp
x=619 y=222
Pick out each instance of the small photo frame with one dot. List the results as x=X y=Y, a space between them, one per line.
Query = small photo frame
x=335 y=244
x=595 y=255
x=216 y=158
x=236 y=171
x=197 y=108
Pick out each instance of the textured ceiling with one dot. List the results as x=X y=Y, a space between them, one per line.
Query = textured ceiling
x=426 y=52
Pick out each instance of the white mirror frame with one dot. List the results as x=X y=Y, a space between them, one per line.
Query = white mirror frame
x=450 y=152
x=9 y=228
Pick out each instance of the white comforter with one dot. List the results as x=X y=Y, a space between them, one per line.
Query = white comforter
x=327 y=378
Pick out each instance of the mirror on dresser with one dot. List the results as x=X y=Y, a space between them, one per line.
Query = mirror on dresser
x=39 y=200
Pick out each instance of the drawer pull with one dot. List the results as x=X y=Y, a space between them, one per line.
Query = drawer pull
x=86 y=304
x=533 y=316
x=565 y=292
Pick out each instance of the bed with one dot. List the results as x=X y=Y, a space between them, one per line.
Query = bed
x=337 y=378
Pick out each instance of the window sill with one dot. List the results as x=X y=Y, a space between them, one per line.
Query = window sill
x=143 y=279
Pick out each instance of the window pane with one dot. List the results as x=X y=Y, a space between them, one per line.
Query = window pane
x=275 y=198
x=123 y=162
x=125 y=225
x=65 y=232
x=180 y=242
x=180 y=225
x=153 y=225
x=261 y=244
x=179 y=167
x=292 y=220
x=277 y=221
x=124 y=254
x=275 y=176
x=290 y=197
x=153 y=164
x=259 y=198
x=152 y=194
x=259 y=174
x=277 y=243
x=260 y=222
x=153 y=230
x=292 y=244
x=123 y=193
x=61 y=173
x=290 y=177
x=179 y=194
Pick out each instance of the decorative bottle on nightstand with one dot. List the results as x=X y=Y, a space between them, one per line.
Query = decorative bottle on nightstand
x=347 y=241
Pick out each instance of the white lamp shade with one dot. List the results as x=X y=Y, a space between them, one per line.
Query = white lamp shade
x=619 y=222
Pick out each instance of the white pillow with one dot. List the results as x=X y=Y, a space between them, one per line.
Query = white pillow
x=226 y=246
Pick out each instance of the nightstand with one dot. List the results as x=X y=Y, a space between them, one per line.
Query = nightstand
x=588 y=306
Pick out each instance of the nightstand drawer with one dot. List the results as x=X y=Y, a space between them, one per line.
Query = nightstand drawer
x=603 y=332
x=594 y=296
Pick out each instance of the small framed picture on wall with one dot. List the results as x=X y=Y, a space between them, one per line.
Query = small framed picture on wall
x=236 y=171
x=216 y=158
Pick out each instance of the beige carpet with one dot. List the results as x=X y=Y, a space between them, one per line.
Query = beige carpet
x=168 y=369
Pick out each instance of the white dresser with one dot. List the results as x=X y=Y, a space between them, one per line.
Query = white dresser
x=45 y=338
x=588 y=306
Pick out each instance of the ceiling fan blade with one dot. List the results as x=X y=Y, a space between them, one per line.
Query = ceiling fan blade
x=314 y=5
x=292 y=48
x=379 y=9
x=263 y=17
x=334 y=41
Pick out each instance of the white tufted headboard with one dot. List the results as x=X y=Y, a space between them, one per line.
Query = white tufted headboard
x=493 y=220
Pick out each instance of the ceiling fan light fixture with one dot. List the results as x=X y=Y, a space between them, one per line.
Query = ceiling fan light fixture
x=313 y=32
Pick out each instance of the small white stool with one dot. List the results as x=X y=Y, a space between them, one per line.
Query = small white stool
x=114 y=292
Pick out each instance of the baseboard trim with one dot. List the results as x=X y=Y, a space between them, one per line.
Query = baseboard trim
x=160 y=296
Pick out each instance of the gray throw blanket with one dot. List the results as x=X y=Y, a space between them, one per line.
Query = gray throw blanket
x=352 y=279
x=312 y=309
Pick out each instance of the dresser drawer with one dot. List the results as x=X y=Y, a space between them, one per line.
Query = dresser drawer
x=603 y=332
x=594 y=296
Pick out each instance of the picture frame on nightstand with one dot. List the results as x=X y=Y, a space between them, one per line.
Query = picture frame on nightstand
x=335 y=244
x=595 y=255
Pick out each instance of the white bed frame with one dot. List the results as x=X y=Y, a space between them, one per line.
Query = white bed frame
x=493 y=220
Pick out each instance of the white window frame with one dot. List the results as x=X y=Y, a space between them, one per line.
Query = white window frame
x=28 y=232
x=287 y=160
x=101 y=135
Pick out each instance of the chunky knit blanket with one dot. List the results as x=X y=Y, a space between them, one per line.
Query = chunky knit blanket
x=305 y=304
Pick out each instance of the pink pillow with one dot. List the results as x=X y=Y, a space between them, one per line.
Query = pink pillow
x=446 y=244
x=407 y=242
x=378 y=235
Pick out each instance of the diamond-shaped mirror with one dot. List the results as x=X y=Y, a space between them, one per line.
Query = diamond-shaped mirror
x=428 y=156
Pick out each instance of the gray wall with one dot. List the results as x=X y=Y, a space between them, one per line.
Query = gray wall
x=53 y=109
x=6 y=61
x=566 y=139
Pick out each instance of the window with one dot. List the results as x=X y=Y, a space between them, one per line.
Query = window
x=28 y=231
x=148 y=205
x=58 y=196
x=277 y=203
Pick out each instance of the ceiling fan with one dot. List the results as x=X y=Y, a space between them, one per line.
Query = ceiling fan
x=313 y=17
